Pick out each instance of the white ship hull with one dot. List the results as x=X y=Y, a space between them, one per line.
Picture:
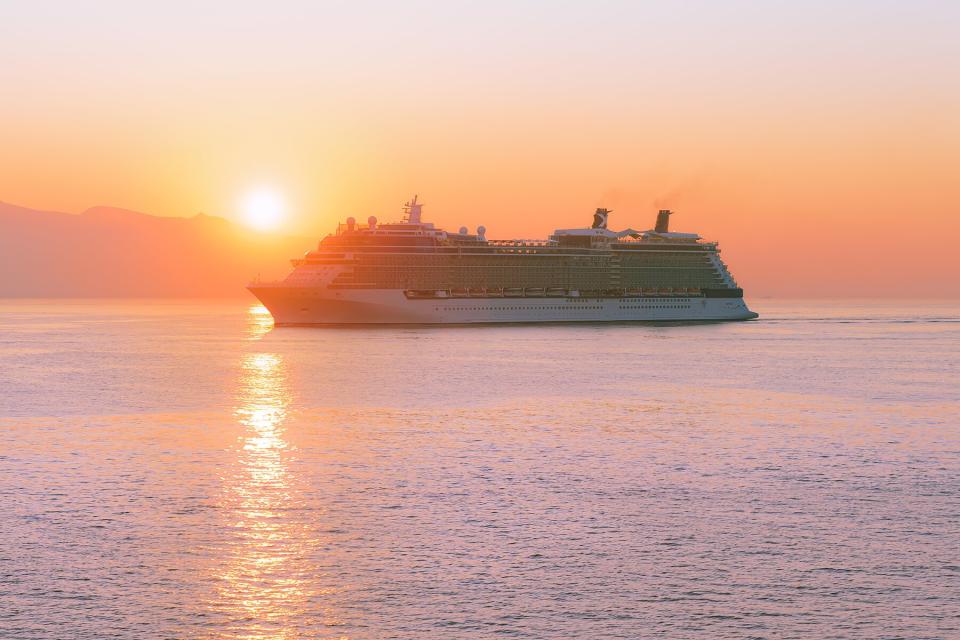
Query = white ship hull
x=291 y=306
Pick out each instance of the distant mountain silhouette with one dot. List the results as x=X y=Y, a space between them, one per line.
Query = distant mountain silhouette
x=110 y=252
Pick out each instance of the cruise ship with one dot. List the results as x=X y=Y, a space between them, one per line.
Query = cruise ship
x=411 y=272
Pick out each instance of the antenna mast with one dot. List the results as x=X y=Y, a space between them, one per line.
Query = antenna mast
x=412 y=211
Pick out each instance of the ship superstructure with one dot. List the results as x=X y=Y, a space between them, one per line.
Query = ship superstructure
x=413 y=272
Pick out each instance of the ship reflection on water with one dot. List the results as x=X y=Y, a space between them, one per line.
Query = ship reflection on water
x=259 y=321
x=264 y=585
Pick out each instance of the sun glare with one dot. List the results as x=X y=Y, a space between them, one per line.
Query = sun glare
x=264 y=210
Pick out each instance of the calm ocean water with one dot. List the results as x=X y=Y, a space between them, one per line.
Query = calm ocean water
x=183 y=470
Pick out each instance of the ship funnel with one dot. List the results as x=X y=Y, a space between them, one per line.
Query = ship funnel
x=600 y=218
x=663 y=221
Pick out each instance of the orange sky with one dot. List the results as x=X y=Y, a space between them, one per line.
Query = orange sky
x=819 y=144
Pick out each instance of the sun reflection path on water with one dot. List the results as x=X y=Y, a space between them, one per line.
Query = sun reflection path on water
x=265 y=585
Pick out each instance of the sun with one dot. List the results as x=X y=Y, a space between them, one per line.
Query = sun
x=264 y=209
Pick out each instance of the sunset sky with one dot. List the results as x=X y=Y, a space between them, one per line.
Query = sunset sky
x=819 y=142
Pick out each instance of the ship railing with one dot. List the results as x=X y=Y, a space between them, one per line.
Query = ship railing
x=342 y=227
x=518 y=243
x=553 y=292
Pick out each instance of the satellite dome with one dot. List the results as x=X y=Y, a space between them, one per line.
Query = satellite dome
x=463 y=231
x=372 y=222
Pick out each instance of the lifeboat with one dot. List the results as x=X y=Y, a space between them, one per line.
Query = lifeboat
x=533 y=292
x=556 y=292
x=493 y=293
x=460 y=293
x=477 y=293
x=513 y=292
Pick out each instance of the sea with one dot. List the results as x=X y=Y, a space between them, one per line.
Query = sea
x=183 y=469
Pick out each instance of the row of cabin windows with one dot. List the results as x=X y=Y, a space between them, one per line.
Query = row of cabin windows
x=555 y=274
x=489 y=283
x=602 y=265
x=656 y=306
x=563 y=308
x=529 y=277
x=535 y=271
x=533 y=268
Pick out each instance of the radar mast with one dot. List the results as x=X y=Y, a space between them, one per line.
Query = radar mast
x=411 y=210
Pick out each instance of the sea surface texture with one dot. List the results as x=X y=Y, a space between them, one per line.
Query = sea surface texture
x=184 y=470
